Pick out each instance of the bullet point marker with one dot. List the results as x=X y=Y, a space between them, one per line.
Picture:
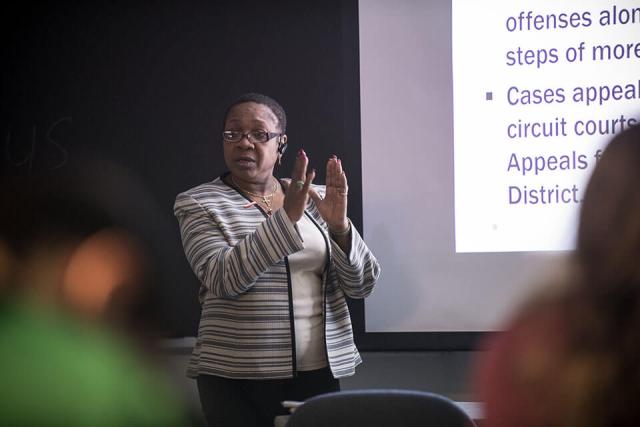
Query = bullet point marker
x=489 y=96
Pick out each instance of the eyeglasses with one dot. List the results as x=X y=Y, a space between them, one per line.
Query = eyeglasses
x=254 y=136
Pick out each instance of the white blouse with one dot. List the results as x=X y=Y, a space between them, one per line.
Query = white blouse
x=306 y=267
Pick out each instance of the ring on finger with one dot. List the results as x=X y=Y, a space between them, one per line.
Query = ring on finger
x=299 y=184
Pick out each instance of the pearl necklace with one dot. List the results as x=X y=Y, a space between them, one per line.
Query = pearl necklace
x=266 y=199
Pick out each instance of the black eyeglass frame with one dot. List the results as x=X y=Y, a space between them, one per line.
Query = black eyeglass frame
x=228 y=133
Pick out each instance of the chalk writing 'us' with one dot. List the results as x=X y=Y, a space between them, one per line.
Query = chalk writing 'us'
x=21 y=152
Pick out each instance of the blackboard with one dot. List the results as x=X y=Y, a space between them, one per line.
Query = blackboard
x=146 y=83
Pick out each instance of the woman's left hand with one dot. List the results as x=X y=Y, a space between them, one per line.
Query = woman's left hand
x=333 y=207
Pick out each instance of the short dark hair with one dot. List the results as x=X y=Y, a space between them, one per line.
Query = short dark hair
x=259 y=98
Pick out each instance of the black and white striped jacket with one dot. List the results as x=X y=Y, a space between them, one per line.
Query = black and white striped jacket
x=239 y=254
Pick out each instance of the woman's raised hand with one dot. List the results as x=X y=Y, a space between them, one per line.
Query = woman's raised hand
x=296 y=197
x=333 y=207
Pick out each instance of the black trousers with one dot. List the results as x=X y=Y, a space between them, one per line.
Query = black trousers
x=255 y=403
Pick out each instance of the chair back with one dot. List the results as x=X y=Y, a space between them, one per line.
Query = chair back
x=380 y=407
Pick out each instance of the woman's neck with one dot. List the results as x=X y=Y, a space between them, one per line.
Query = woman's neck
x=262 y=188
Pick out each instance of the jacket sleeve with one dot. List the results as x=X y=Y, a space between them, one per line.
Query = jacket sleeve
x=358 y=270
x=228 y=270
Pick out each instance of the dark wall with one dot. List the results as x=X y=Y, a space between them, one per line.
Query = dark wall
x=146 y=83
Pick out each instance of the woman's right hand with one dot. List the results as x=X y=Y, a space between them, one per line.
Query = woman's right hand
x=295 y=199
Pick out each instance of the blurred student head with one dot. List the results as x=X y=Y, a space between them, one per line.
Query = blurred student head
x=80 y=239
x=608 y=247
x=569 y=356
x=77 y=276
x=606 y=316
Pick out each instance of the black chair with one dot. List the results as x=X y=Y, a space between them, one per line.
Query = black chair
x=374 y=408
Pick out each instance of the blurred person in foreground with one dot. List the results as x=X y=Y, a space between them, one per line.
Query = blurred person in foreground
x=74 y=329
x=570 y=357
x=275 y=259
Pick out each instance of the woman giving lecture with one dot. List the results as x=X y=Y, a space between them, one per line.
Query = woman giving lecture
x=275 y=259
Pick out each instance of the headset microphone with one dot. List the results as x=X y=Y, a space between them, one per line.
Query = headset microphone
x=281 y=145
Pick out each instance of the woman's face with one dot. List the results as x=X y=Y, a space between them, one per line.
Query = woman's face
x=245 y=160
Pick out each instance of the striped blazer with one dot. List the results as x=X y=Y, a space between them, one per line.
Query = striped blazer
x=239 y=254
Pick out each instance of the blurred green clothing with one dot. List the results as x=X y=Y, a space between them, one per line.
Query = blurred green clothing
x=57 y=371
